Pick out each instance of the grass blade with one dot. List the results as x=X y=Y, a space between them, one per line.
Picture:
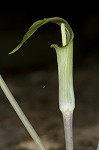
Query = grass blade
x=21 y=115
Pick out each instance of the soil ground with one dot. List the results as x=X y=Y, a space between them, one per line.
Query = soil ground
x=37 y=94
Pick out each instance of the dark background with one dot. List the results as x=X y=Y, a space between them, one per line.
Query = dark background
x=17 y=16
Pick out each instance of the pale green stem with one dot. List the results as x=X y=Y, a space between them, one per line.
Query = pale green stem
x=21 y=115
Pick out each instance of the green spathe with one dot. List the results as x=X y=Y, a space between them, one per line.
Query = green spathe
x=39 y=23
x=65 y=75
x=64 y=60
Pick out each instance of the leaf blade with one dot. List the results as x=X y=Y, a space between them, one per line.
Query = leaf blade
x=33 y=28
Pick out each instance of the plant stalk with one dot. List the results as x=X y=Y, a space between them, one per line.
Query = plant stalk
x=67 y=119
x=21 y=115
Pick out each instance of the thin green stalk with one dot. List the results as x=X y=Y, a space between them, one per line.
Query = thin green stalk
x=21 y=115
x=97 y=146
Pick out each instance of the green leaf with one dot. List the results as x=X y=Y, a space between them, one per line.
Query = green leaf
x=38 y=24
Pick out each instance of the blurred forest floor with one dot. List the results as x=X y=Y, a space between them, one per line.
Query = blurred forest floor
x=37 y=94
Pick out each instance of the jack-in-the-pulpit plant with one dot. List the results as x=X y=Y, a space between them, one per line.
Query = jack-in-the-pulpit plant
x=65 y=74
x=65 y=77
